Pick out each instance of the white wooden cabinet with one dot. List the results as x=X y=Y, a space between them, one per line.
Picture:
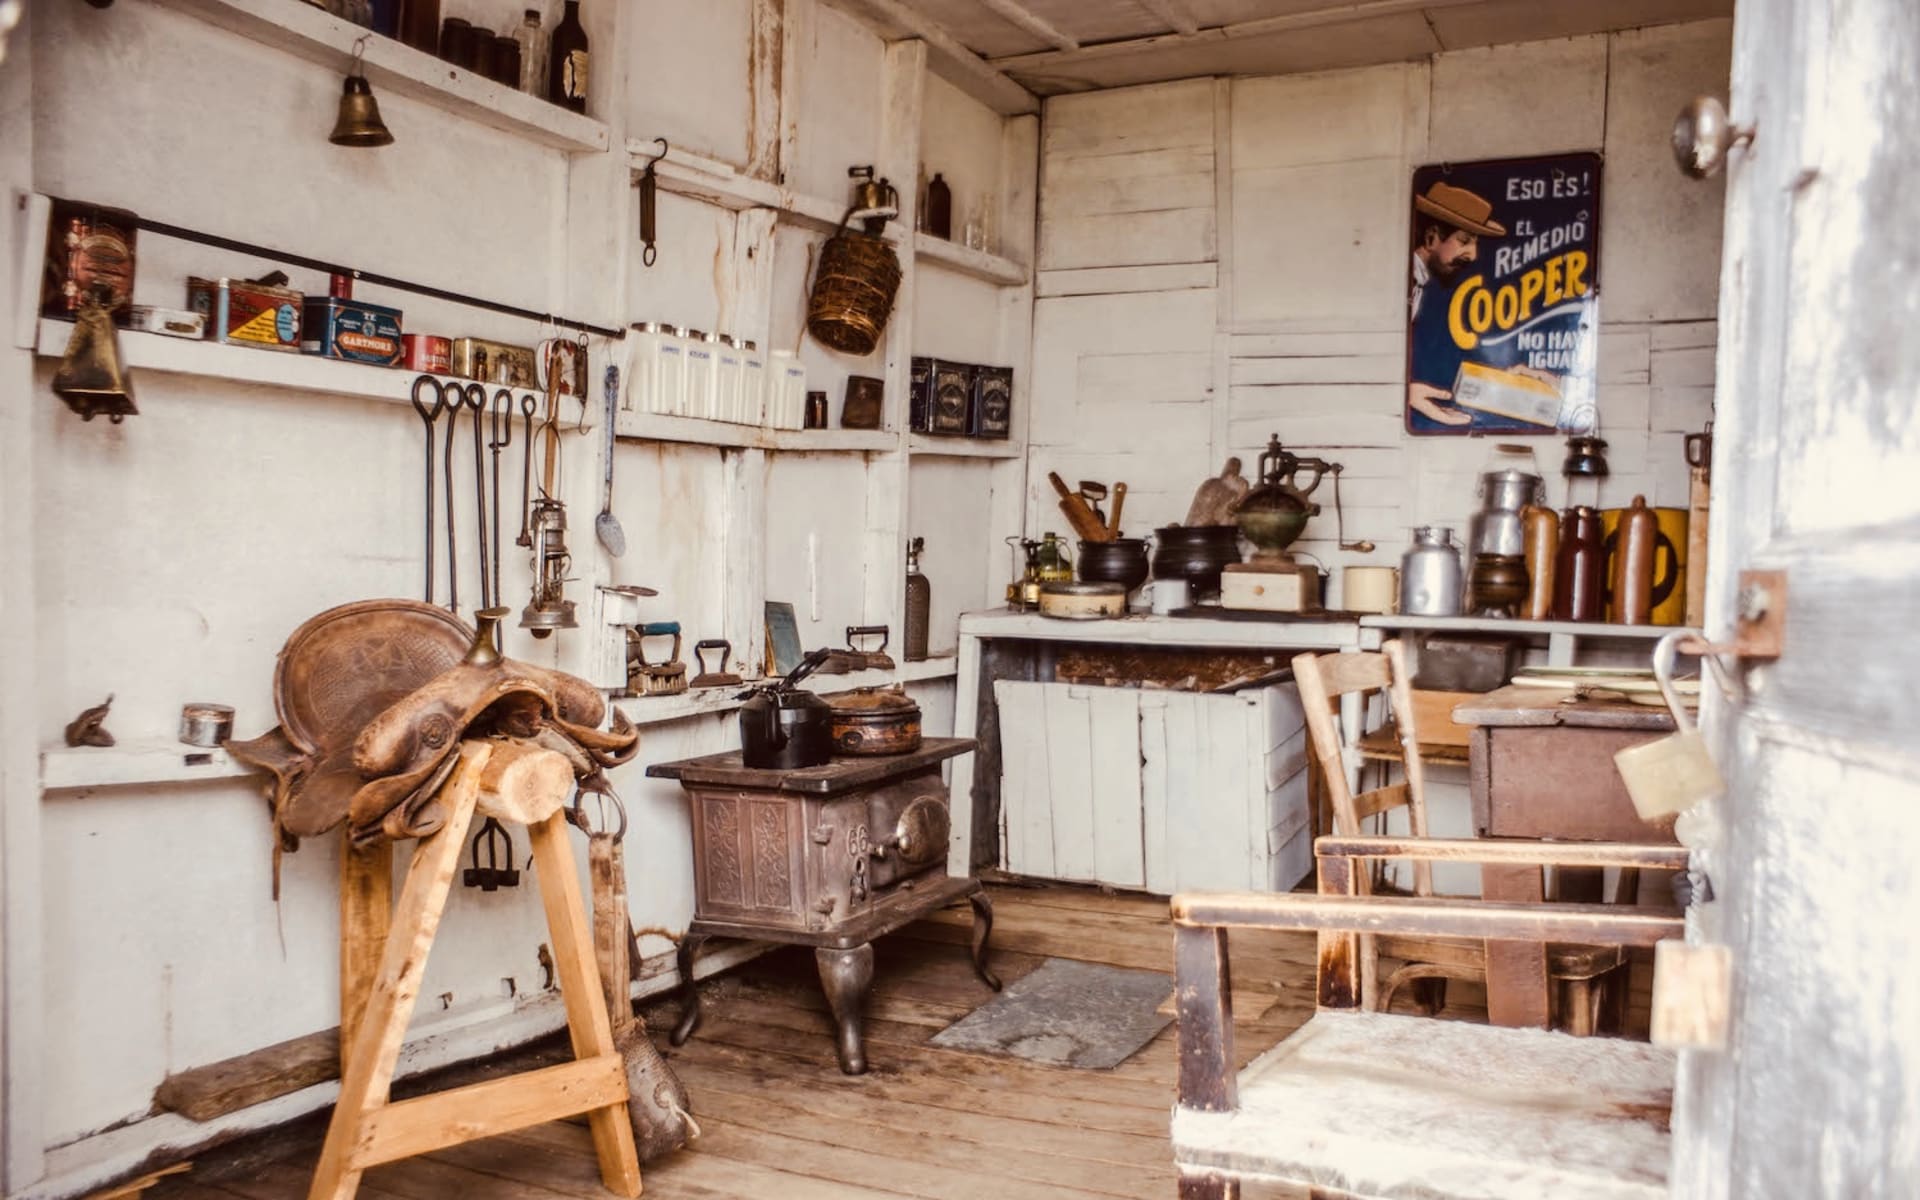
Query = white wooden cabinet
x=1164 y=791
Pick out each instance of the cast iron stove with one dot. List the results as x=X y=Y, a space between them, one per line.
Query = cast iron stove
x=829 y=857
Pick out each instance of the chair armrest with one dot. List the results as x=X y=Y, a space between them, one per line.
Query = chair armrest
x=1428 y=916
x=1509 y=851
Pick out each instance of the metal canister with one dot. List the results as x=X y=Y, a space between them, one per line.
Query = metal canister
x=426 y=352
x=205 y=724
x=1430 y=574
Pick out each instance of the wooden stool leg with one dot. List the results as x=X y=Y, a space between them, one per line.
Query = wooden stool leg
x=579 y=978
x=1579 y=1012
x=366 y=916
x=375 y=1046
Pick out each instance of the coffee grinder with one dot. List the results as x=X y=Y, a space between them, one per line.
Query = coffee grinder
x=1271 y=516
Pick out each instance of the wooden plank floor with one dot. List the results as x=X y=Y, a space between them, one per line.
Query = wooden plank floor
x=779 y=1120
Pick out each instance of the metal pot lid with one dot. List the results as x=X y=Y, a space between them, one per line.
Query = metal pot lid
x=1062 y=587
x=889 y=699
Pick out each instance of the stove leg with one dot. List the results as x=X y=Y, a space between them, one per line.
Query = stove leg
x=982 y=930
x=689 y=990
x=846 y=976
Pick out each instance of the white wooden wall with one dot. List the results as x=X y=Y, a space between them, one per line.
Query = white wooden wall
x=166 y=560
x=1223 y=260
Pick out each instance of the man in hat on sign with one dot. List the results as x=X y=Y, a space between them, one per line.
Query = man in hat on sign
x=1448 y=224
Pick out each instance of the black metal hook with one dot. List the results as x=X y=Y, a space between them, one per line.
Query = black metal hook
x=649 y=193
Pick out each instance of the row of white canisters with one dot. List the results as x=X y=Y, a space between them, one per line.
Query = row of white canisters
x=712 y=377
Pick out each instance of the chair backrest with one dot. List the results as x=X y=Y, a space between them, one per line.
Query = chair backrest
x=1323 y=679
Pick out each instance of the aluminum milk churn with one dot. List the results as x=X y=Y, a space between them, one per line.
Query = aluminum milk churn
x=1430 y=574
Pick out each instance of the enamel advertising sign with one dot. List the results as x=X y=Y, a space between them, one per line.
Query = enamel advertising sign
x=1503 y=325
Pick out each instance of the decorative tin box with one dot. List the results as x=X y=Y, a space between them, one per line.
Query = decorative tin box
x=351 y=330
x=247 y=314
x=992 y=413
x=952 y=398
x=920 y=396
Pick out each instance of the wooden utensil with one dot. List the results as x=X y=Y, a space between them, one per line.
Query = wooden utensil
x=1078 y=513
x=1119 y=502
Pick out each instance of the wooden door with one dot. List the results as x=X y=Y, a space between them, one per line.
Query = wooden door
x=1817 y=472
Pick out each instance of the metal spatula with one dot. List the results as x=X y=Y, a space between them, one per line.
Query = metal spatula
x=606 y=526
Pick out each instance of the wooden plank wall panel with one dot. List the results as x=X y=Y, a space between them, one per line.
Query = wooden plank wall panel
x=1128 y=178
x=1118 y=818
x=1025 y=797
x=1070 y=753
x=1153 y=793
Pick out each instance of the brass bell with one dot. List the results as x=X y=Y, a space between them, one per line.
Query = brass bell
x=359 y=123
x=91 y=378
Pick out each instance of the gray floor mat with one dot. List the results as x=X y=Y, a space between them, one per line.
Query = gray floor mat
x=1067 y=1013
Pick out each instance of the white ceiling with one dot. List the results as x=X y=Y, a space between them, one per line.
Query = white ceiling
x=1053 y=46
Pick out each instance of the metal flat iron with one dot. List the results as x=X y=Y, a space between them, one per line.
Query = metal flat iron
x=665 y=678
x=714 y=679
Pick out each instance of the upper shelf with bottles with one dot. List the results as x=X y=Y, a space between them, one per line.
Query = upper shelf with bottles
x=311 y=33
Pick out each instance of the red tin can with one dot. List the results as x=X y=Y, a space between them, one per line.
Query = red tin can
x=425 y=352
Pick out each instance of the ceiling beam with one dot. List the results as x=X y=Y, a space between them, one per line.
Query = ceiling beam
x=1339 y=14
x=1174 y=13
x=950 y=59
x=1017 y=14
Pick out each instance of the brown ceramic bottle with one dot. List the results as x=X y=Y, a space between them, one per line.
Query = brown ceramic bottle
x=1633 y=565
x=1541 y=529
x=1578 y=567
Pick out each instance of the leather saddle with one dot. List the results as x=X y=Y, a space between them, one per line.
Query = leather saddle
x=374 y=699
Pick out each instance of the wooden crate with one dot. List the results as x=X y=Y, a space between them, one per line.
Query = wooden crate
x=1161 y=790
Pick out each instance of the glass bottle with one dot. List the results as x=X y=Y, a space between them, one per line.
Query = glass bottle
x=420 y=24
x=939 y=208
x=1054 y=563
x=567 y=64
x=533 y=52
x=919 y=604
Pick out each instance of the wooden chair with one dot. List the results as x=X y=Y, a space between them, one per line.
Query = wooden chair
x=1358 y=1103
x=1428 y=961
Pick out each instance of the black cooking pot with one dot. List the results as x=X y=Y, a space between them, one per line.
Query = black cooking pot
x=1195 y=553
x=1122 y=561
x=783 y=726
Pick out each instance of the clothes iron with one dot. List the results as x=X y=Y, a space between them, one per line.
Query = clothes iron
x=721 y=677
x=868 y=660
x=665 y=678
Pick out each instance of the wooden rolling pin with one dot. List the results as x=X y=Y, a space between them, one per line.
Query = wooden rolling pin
x=1078 y=514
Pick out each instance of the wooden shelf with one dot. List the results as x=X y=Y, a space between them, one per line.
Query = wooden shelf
x=709 y=180
x=242 y=364
x=652 y=710
x=955 y=256
x=1576 y=629
x=157 y=760
x=659 y=427
x=924 y=446
x=308 y=32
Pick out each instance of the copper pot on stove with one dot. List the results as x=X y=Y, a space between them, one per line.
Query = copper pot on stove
x=875 y=721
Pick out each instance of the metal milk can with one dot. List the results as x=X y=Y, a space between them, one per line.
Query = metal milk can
x=1430 y=574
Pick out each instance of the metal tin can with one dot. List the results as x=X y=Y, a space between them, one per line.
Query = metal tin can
x=250 y=314
x=174 y=322
x=426 y=352
x=351 y=330
x=205 y=724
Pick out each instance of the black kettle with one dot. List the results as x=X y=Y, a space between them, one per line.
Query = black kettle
x=783 y=726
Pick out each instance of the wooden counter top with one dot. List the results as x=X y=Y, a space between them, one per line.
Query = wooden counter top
x=1515 y=705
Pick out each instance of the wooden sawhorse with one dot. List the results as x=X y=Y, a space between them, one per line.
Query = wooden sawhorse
x=383 y=957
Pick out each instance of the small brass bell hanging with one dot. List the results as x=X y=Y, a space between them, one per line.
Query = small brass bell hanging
x=92 y=379
x=359 y=122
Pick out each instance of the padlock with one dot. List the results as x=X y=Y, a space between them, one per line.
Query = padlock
x=1671 y=774
x=493 y=876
